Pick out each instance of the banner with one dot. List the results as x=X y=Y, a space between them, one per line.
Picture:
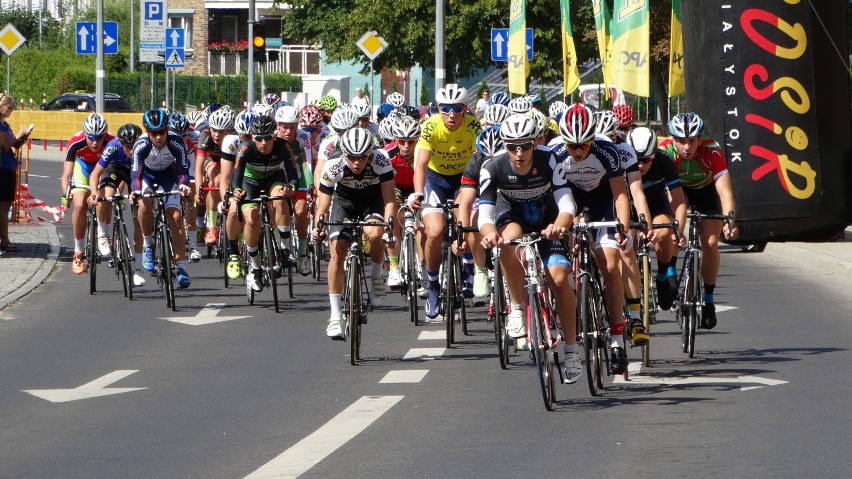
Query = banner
x=570 y=71
x=677 y=82
x=630 y=46
x=602 y=24
x=519 y=67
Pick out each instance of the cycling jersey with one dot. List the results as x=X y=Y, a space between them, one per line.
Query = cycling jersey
x=328 y=145
x=339 y=180
x=706 y=166
x=113 y=152
x=470 y=176
x=79 y=151
x=660 y=178
x=589 y=178
x=208 y=149
x=304 y=160
x=450 y=150
x=170 y=160
x=251 y=163
x=403 y=172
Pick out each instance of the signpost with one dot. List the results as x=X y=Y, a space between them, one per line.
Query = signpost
x=10 y=40
x=372 y=45
x=500 y=47
x=152 y=33
x=87 y=36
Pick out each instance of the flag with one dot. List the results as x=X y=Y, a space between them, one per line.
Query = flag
x=570 y=71
x=677 y=82
x=602 y=24
x=630 y=46
x=519 y=67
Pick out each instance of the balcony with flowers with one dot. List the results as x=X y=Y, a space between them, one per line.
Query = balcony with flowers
x=228 y=58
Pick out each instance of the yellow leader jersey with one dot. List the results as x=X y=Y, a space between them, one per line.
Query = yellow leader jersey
x=450 y=149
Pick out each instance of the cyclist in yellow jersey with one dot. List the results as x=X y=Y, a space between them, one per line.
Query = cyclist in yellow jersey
x=447 y=142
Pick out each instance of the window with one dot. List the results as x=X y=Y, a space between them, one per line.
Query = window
x=182 y=20
x=229 y=28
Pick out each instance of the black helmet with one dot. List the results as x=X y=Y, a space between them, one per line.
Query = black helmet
x=262 y=125
x=129 y=133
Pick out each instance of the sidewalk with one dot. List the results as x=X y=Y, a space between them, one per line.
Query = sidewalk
x=22 y=272
x=830 y=258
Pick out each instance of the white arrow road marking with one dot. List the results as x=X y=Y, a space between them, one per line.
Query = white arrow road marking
x=207 y=315
x=424 y=353
x=404 y=376
x=746 y=383
x=96 y=388
x=721 y=308
x=311 y=450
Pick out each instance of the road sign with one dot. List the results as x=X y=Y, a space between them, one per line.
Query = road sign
x=87 y=34
x=175 y=57
x=175 y=54
x=500 y=44
x=11 y=39
x=176 y=38
x=371 y=44
x=152 y=32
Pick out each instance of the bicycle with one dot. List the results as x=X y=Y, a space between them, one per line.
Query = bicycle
x=270 y=255
x=409 y=266
x=451 y=298
x=164 y=265
x=121 y=258
x=356 y=293
x=544 y=330
x=92 y=255
x=592 y=316
x=498 y=305
x=691 y=288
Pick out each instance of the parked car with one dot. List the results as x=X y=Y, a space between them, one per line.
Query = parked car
x=79 y=101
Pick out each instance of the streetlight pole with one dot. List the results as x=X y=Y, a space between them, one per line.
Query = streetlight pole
x=440 y=71
x=132 y=36
x=99 y=62
x=250 y=96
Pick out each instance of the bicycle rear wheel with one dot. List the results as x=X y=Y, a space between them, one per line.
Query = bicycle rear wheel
x=355 y=305
x=409 y=265
x=499 y=307
x=694 y=304
x=588 y=331
x=273 y=263
x=645 y=275
x=449 y=296
x=245 y=266
x=92 y=250
x=460 y=301
x=541 y=353
x=685 y=309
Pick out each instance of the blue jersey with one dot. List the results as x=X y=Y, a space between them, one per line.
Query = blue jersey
x=113 y=152
x=171 y=159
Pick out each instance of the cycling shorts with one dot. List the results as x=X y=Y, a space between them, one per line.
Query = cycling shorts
x=705 y=200
x=253 y=186
x=342 y=209
x=166 y=180
x=80 y=177
x=402 y=194
x=115 y=175
x=439 y=189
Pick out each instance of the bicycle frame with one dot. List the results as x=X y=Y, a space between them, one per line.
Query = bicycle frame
x=164 y=265
x=271 y=262
x=409 y=264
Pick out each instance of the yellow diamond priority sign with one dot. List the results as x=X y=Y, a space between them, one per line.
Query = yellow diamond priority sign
x=11 y=39
x=371 y=44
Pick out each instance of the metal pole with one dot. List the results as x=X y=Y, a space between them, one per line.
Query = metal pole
x=40 y=11
x=440 y=71
x=372 y=84
x=8 y=76
x=152 y=86
x=250 y=96
x=262 y=79
x=99 y=62
x=132 y=36
x=166 y=85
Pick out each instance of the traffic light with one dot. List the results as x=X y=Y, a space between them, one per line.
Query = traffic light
x=259 y=41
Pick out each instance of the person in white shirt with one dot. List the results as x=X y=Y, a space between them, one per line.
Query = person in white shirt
x=360 y=98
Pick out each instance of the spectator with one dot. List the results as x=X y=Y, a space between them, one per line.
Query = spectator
x=360 y=98
x=8 y=170
x=482 y=104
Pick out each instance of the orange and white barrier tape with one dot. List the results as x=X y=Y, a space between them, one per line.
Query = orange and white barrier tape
x=26 y=201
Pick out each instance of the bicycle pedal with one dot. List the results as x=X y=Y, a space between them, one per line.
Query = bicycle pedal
x=111 y=264
x=521 y=344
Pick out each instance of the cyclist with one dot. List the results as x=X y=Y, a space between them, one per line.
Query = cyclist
x=522 y=190
x=327 y=105
x=195 y=118
x=179 y=125
x=341 y=121
x=494 y=115
x=707 y=185
x=593 y=170
x=396 y=99
x=84 y=150
x=666 y=202
x=214 y=142
x=112 y=174
x=363 y=113
x=406 y=131
x=447 y=142
x=265 y=164
x=159 y=157
x=626 y=120
x=287 y=119
x=355 y=183
x=310 y=120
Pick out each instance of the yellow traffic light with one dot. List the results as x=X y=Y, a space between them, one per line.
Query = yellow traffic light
x=259 y=41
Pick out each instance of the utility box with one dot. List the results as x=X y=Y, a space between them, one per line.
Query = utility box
x=316 y=86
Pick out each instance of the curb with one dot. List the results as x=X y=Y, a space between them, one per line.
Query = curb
x=826 y=263
x=43 y=271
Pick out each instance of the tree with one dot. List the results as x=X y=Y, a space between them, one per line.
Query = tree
x=26 y=22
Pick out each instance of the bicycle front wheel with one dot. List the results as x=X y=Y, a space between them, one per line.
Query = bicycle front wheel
x=353 y=283
x=92 y=251
x=645 y=275
x=541 y=353
x=410 y=276
x=166 y=258
x=694 y=303
x=499 y=310
x=448 y=292
x=121 y=258
x=588 y=332
x=273 y=263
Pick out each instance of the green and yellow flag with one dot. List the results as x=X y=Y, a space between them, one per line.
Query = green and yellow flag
x=519 y=67
x=677 y=81
x=570 y=71
x=630 y=46
x=602 y=24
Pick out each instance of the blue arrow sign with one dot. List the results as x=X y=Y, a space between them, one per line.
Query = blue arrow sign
x=87 y=34
x=175 y=38
x=500 y=44
x=175 y=57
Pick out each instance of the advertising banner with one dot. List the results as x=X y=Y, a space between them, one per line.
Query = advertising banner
x=570 y=71
x=519 y=67
x=677 y=81
x=630 y=46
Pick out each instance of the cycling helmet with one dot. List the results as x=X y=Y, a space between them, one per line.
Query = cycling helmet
x=408 y=110
x=520 y=105
x=386 y=128
x=686 y=125
x=396 y=99
x=343 y=120
x=195 y=117
x=242 y=124
x=495 y=114
x=222 y=119
x=356 y=142
x=271 y=99
x=327 y=102
x=261 y=109
x=518 y=127
x=384 y=110
x=178 y=123
x=606 y=123
x=577 y=124
x=499 y=98
x=129 y=133
x=535 y=100
x=95 y=125
x=541 y=122
x=310 y=116
x=361 y=110
x=489 y=142
x=262 y=125
x=211 y=108
x=407 y=128
x=451 y=94
x=644 y=141
x=155 y=119
x=557 y=108
x=287 y=114
x=624 y=113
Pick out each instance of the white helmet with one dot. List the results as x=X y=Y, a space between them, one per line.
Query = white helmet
x=541 y=122
x=242 y=124
x=489 y=142
x=407 y=128
x=362 y=110
x=451 y=94
x=343 y=119
x=396 y=99
x=222 y=119
x=644 y=141
x=517 y=127
x=356 y=142
x=577 y=124
x=95 y=125
x=287 y=114
x=607 y=122
x=520 y=105
x=386 y=127
x=557 y=108
x=262 y=109
x=495 y=114
x=195 y=117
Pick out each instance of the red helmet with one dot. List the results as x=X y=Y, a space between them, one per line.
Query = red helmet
x=624 y=113
x=577 y=124
x=310 y=116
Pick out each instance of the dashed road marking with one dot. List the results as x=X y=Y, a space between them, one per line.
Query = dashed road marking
x=424 y=353
x=425 y=335
x=404 y=376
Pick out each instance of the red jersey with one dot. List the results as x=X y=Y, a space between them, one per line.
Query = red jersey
x=404 y=173
x=706 y=166
x=79 y=149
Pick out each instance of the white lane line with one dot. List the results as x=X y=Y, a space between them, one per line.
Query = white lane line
x=425 y=335
x=321 y=443
x=424 y=353
x=722 y=308
x=404 y=376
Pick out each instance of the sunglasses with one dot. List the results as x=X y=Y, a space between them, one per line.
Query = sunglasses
x=263 y=137
x=94 y=137
x=451 y=109
x=519 y=146
x=645 y=159
x=164 y=131
x=358 y=158
x=579 y=146
x=406 y=141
